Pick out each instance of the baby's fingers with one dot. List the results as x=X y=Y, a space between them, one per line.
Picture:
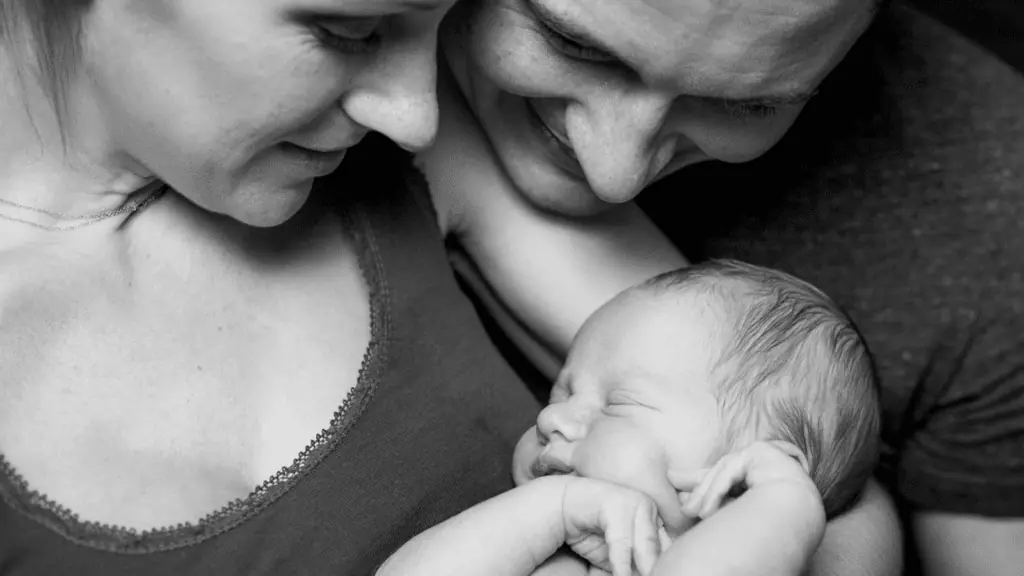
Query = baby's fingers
x=620 y=554
x=729 y=474
x=646 y=546
x=695 y=500
x=686 y=480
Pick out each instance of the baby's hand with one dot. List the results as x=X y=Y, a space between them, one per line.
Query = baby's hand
x=758 y=466
x=611 y=526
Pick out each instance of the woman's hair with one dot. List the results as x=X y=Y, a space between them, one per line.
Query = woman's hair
x=45 y=35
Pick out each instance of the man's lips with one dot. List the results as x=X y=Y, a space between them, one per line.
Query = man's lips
x=558 y=135
x=559 y=146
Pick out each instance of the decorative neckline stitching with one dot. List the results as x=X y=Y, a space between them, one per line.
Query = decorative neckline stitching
x=16 y=492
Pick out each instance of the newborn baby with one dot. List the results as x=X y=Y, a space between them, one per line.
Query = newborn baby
x=706 y=421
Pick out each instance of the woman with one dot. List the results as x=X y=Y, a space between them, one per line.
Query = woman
x=164 y=352
x=578 y=102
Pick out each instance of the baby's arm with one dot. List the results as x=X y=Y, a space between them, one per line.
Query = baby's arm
x=773 y=528
x=510 y=534
x=515 y=533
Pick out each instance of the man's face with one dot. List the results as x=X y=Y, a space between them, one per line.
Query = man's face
x=586 y=102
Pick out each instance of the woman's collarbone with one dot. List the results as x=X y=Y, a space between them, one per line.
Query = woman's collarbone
x=255 y=364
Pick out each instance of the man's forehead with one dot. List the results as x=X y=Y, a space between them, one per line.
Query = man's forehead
x=752 y=38
x=713 y=8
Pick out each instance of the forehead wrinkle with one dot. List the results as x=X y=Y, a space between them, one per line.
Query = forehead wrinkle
x=726 y=48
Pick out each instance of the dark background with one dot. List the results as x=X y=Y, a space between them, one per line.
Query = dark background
x=998 y=25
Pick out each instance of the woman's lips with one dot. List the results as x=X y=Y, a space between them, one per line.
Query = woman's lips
x=315 y=162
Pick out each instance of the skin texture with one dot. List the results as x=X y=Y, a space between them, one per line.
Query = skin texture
x=614 y=120
x=153 y=370
x=634 y=400
x=673 y=83
x=213 y=97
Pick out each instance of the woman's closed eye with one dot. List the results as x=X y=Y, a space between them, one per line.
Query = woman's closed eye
x=350 y=36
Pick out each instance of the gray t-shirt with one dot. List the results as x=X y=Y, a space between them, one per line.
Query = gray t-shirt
x=913 y=221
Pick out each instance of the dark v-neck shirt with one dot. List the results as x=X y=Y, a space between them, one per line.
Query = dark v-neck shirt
x=428 y=431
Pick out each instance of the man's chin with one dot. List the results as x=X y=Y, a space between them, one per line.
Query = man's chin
x=549 y=190
x=573 y=200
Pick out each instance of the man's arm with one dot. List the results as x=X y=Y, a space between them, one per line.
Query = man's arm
x=541 y=274
x=953 y=544
x=866 y=541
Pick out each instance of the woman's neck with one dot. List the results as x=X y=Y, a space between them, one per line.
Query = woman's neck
x=67 y=167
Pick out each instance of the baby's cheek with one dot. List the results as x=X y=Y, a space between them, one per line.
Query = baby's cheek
x=620 y=455
x=637 y=462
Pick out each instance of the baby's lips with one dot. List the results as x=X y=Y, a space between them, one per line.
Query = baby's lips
x=526 y=454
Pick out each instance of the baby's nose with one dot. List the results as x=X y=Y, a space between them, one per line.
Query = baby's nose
x=559 y=420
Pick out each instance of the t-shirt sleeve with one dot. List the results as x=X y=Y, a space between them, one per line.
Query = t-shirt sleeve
x=962 y=433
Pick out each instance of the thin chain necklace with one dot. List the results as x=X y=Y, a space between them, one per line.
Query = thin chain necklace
x=73 y=222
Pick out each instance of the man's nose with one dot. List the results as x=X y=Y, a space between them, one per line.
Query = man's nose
x=619 y=141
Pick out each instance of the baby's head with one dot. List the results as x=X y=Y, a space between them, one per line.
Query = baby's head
x=693 y=364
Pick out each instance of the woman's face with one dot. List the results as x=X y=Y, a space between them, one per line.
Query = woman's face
x=586 y=102
x=239 y=104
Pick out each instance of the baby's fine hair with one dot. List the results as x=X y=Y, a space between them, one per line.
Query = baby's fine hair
x=794 y=368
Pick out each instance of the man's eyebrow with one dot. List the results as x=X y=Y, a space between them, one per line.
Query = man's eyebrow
x=420 y=5
x=774 y=101
x=562 y=24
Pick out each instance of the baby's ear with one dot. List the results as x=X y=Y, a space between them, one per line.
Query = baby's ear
x=797 y=454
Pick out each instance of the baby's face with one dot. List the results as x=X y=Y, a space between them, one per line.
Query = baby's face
x=633 y=400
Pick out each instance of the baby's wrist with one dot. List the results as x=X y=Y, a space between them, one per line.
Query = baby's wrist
x=548 y=496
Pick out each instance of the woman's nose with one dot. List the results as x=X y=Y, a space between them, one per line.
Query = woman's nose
x=560 y=420
x=617 y=139
x=396 y=94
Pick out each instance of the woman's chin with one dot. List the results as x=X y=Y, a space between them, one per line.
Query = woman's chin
x=267 y=207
